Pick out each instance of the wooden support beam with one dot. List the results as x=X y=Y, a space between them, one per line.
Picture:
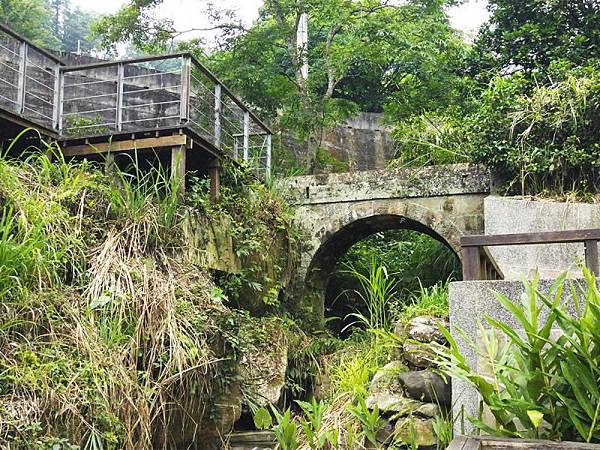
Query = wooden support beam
x=178 y=154
x=214 y=173
x=127 y=145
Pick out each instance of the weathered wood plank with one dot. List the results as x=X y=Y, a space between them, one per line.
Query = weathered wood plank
x=547 y=237
x=465 y=443
x=127 y=145
x=458 y=443
x=252 y=437
x=499 y=443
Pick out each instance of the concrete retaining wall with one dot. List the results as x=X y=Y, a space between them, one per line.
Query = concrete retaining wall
x=514 y=215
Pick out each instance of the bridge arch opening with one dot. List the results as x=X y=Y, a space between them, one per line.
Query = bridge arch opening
x=332 y=286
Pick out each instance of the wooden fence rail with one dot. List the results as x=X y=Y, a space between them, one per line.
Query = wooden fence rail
x=478 y=263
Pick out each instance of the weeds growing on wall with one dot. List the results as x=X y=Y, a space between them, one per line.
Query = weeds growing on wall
x=108 y=323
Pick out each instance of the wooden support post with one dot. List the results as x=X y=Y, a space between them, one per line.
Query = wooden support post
x=591 y=255
x=470 y=264
x=214 y=173
x=178 y=166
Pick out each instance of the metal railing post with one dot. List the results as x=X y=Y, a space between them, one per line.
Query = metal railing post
x=119 y=106
x=61 y=89
x=22 y=84
x=246 y=135
x=269 y=147
x=236 y=147
x=57 y=99
x=184 y=96
x=217 y=115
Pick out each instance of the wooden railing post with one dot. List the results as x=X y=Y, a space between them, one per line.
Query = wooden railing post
x=269 y=151
x=471 y=264
x=57 y=98
x=591 y=255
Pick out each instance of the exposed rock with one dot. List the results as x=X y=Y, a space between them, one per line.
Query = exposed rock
x=263 y=372
x=426 y=386
x=417 y=355
x=189 y=420
x=322 y=386
x=385 y=434
x=386 y=391
x=400 y=330
x=392 y=403
x=426 y=329
x=430 y=410
x=414 y=428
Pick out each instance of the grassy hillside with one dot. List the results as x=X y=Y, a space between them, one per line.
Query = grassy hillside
x=112 y=336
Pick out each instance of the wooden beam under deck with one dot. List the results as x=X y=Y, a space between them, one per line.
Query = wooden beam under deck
x=128 y=145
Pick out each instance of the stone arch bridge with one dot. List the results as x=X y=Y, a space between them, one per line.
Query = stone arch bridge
x=338 y=210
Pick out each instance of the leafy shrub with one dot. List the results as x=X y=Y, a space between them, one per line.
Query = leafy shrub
x=539 y=386
x=541 y=136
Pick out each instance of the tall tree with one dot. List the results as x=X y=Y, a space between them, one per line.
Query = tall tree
x=530 y=34
x=31 y=18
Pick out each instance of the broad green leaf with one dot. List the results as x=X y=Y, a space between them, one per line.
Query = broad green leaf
x=536 y=417
x=99 y=302
x=262 y=419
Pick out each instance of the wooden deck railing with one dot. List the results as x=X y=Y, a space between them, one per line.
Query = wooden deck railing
x=478 y=263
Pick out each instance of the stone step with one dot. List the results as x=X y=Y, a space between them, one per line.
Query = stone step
x=252 y=440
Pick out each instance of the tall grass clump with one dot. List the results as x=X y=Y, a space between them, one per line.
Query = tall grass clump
x=428 y=301
x=377 y=290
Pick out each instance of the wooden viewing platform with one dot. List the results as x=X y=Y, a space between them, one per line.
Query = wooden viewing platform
x=167 y=103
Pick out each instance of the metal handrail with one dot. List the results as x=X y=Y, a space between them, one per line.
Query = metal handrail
x=22 y=38
x=222 y=108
